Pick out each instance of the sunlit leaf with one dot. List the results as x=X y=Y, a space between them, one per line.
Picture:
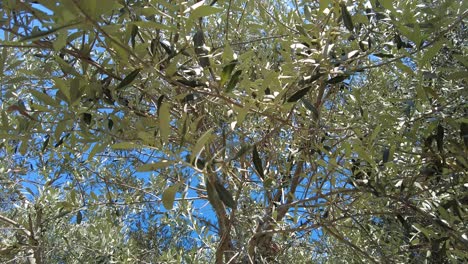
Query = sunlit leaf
x=125 y=145
x=164 y=122
x=203 y=11
x=155 y=166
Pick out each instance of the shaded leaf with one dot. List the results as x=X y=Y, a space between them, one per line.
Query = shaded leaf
x=87 y=118
x=200 y=144
x=211 y=191
x=166 y=46
x=154 y=46
x=110 y=124
x=431 y=52
x=199 y=39
x=200 y=49
x=383 y=55
x=362 y=45
x=398 y=41
x=79 y=217
x=44 y=97
x=311 y=108
x=129 y=79
x=227 y=71
x=159 y=102
x=133 y=35
x=347 y=20
x=386 y=155
x=242 y=151
x=440 y=138
x=233 y=82
x=46 y=143
x=337 y=79
x=302 y=31
x=168 y=196
x=60 y=142
x=298 y=95
x=41 y=34
x=224 y=195
x=257 y=162
x=464 y=133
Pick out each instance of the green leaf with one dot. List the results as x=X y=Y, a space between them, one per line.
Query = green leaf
x=66 y=67
x=226 y=73
x=200 y=144
x=404 y=68
x=168 y=196
x=40 y=34
x=311 y=108
x=457 y=75
x=164 y=122
x=440 y=138
x=75 y=90
x=128 y=79
x=257 y=162
x=224 y=195
x=383 y=55
x=159 y=102
x=61 y=41
x=233 y=82
x=98 y=147
x=387 y=4
x=155 y=166
x=386 y=155
x=324 y=4
x=79 y=217
x=125 y=145
x=242 y=151
x=298 y=95
x=302 y=31
x=347 y=19
x=462 y=59
x=45 y=144
x=337 y=79
x=203 y=11
x=431 y=53
x=44 y=97
x=87 y=118
x=110 y=124
x=133 y=34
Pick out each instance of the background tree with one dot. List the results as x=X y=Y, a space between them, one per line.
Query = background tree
x=233 y=131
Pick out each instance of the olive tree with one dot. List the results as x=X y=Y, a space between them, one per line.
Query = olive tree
x=234 y=131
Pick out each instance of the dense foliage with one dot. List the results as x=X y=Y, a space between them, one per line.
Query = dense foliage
x=161 y=131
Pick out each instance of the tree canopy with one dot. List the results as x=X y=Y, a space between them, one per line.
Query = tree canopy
x=233 y=131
